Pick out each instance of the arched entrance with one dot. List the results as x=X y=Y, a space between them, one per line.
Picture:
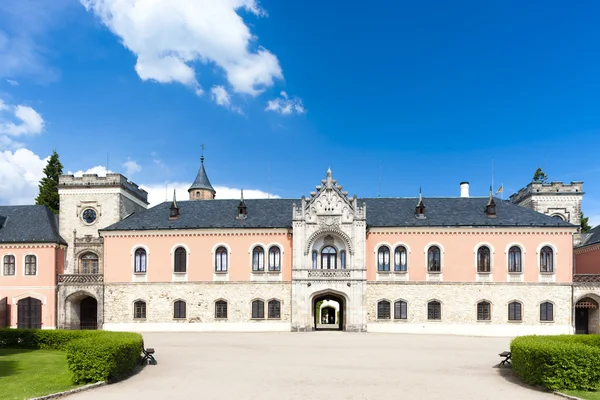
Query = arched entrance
x=81 y=311
x=587 y=316
x=29 y=313
x=328 y=312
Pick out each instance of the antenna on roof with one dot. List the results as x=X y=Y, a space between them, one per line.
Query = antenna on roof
x=379 y=184
x=107 y=162
x=492 y=172
x=269 y=181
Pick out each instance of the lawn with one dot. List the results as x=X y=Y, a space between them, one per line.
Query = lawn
x=583 y=394
x=30 y=373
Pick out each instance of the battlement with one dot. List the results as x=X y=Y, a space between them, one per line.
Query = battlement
x=551 y=188
x=95 y=181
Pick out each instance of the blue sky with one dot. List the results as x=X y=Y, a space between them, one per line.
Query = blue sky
x=403 y=93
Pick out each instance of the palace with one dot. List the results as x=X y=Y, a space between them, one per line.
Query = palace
x=454 y=265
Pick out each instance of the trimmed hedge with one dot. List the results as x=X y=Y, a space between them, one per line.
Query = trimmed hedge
x=92 y=356
x=558 y=362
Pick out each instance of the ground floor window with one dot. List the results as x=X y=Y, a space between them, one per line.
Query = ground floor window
x=274 y=309
x=221 y=309
x=434 y=310
x=383 y=309
x=258 y=309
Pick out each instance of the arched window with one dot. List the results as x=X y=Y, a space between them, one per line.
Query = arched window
x=274 y=309
x=434 y=310
x=258 y=309
x=221 y=259
x=383 y=259
x=383 y=309
x=221 y=309
x=546 y=259
x=547 y=311
x=314 y=259
x=434 y=261
x=343 y=259
x=30 y=265
x=515 y=311
x=400 y=310
x=9 y=265
x=484 y=311
x=328 y=258
x=274 y=259
x=258 y=259
x=88 y=264
x=139 y=309
x=140 y=261
x=179 y=309
x=400 y=259
x=180 y=260
x=483 y=259
x=514 y=259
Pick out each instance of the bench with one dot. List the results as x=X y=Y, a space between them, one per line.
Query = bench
x=506 y=355
x=148 y=356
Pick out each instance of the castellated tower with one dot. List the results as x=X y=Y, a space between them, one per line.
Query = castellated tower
x=556 y=199
x=201 y=189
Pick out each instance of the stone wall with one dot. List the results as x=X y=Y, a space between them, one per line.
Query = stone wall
x=554 y=199
x=200 y=298
x=459 y=308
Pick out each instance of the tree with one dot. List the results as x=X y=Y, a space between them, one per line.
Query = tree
x=539 y=176
x=48 y=186
x=585 y=226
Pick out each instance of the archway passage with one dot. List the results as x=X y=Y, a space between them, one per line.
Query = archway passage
x=587 y=316
x=88 y=316
x=328 y=312
x=29 y=313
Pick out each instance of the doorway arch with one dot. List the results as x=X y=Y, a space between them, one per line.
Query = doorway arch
x=29 y=313
x=81 y=311
x=335 y=317
x=587 y=316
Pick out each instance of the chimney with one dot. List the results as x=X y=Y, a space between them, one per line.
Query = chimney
x=464 y=189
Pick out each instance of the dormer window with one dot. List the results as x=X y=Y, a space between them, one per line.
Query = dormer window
x=490 y=208
x=174 y=209
x=420 y=210
x=242 y=209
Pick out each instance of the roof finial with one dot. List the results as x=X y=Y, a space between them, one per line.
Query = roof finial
x=174 y=198
x=202 y=155
x=242 y=194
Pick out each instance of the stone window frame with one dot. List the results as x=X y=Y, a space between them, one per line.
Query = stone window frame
x=394 y=313
x=507 y=253
x=376 y=252
x=554 y=258
x=251 y=250
x=36 y=264
x=442 y=255
x=492 y=250
x=547 y=321
x=328 y=255
x=383 y=314
x=132 y=254
x=185 y=308
x=135 y=302
x=259 y=311
x=521 y=310
x=221 y=300
x=430 y=302
x=9 y=254
x=393 y=257
x=85 y=252
x=490 y=305
x=213 y=254
x=268 y=258
x=268 y=303
x=187 y=258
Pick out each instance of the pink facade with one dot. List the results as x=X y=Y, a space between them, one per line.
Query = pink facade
x=587 y=260
x=459 y=251
x=119 y=252
x=39 y=284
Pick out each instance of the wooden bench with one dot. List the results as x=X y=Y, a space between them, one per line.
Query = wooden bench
x=148 y=356
x=506 y=355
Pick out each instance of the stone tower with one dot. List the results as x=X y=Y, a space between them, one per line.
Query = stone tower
x=87 y=204
x=556 y=199
x=201 y=189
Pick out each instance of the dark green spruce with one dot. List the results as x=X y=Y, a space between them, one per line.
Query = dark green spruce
x=48 y=186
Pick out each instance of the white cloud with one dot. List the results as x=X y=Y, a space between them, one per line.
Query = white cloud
x=12 y=82
x=286 y=105
x=29 y=121
x=158 y=193
x=131 y=167
x=20 y=173
x=98 y=170
x=168 y=37
x=220 y=96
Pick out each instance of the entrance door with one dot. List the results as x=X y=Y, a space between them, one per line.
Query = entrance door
x=29 y=313
x=88 y=313
x=581 y=320
x=4 y=320
x=325 y=319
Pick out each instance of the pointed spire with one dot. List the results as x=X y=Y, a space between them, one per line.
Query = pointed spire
x=242 y=209
x=201 y=184
x=174 y=209
x=420 y=210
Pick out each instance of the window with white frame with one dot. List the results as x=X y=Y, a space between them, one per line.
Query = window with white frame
x=221 y=259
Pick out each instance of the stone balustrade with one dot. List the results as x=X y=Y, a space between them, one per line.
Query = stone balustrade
x=80 y=278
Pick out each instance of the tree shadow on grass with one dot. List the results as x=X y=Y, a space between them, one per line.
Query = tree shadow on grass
x=8 y=367
x=508 y=374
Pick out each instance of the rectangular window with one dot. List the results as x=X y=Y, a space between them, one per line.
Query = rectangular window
x=139 y=310
x=274 y=309
x=547 y=312
x=514 y=312
x=258 y=309
x=400 y=310
x=483 y=311
x=221 y=310
x=434 y=311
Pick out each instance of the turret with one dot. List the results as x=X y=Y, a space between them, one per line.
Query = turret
x=201 y=189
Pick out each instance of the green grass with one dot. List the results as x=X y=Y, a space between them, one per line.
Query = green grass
x=582 y=394
x=30 y=373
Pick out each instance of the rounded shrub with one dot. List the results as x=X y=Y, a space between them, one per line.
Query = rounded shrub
x=558 y=362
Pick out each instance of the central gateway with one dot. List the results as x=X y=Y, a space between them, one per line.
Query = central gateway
x=329 y=232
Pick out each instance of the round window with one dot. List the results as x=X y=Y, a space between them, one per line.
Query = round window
x=89 y=215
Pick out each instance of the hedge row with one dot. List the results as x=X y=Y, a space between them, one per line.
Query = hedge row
x=92 y=356
x=558 y=362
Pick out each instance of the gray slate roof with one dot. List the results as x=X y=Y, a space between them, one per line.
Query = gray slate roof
x=381 y=212
x=592 y=237
x=28 y=224
x=201 y=181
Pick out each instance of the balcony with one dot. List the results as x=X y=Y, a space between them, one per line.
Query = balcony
x=329 y=274
x=80 y=278
x=588 y=278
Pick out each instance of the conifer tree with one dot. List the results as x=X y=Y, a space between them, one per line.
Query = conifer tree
x=585 y=224
x=48 y=186
x=540 y=176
